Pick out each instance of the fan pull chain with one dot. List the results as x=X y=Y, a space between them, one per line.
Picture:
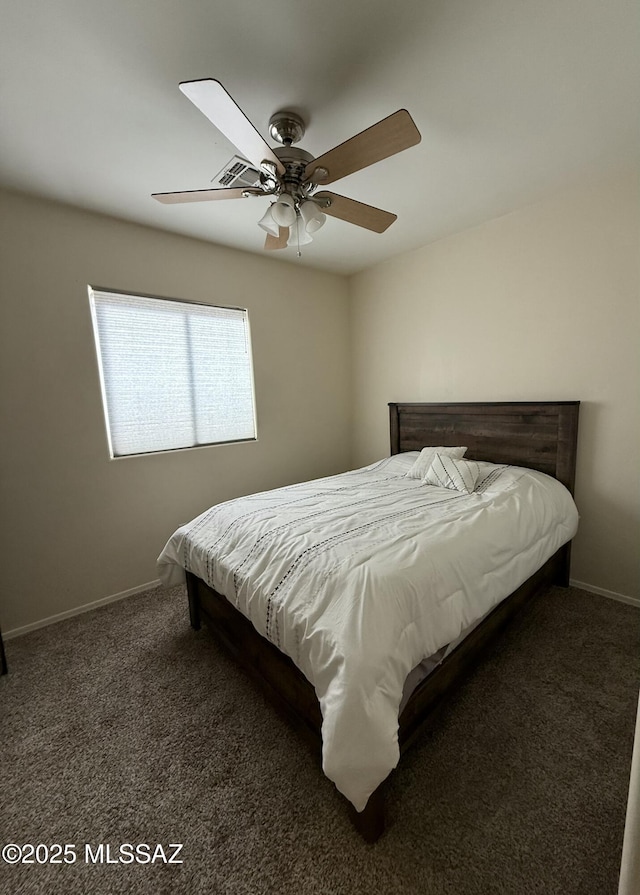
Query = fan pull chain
x=299 y=253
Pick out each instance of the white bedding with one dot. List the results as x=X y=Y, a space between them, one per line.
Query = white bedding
x=360 y=576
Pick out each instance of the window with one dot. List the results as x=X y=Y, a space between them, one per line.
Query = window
x=174 y=374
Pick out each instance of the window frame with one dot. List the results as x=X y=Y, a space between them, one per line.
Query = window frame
x=91 y=289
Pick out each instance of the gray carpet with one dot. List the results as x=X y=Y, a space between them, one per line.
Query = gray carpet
x=125 y=726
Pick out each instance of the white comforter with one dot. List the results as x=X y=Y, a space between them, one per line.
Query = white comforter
x=360 y=576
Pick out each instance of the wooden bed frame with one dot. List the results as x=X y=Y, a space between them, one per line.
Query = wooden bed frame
x=540 y=436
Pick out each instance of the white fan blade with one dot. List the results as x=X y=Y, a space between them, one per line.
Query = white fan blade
x=213 y=101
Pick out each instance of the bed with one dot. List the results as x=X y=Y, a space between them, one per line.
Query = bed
x=521 y=440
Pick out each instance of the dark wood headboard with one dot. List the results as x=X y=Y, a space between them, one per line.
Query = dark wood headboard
x=540 y=435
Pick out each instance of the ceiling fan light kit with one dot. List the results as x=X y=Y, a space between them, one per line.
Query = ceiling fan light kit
x=290 y=174
x=298 y=235
x=312 y=216
x=268 y=223
x=283 y=210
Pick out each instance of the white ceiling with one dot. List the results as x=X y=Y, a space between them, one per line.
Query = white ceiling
x=514 y=99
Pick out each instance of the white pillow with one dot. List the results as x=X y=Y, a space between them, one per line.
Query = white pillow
x=425 y=459
x=449 y=472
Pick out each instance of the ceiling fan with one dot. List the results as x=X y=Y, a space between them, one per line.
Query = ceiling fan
x=291 y=175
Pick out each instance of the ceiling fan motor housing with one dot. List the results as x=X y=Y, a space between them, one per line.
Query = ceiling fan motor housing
x=295 y=161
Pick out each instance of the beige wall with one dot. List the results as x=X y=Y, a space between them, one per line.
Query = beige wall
x=542 y=304
x=78 y=527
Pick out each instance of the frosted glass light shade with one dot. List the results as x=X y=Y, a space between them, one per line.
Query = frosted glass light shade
x=284 y=210
x=267 y=222
x=312 y=216
x=298 y=235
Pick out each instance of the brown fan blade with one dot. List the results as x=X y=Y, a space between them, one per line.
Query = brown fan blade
x=277 y=242
x=213 y=101
x=355 y=212
x=387 y=137
x=206 y=195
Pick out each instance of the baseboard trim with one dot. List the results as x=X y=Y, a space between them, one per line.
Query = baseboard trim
x=113 y=598
x=87 y=607
x=610 y=594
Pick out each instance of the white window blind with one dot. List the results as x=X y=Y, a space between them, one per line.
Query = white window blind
x=174 y=374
